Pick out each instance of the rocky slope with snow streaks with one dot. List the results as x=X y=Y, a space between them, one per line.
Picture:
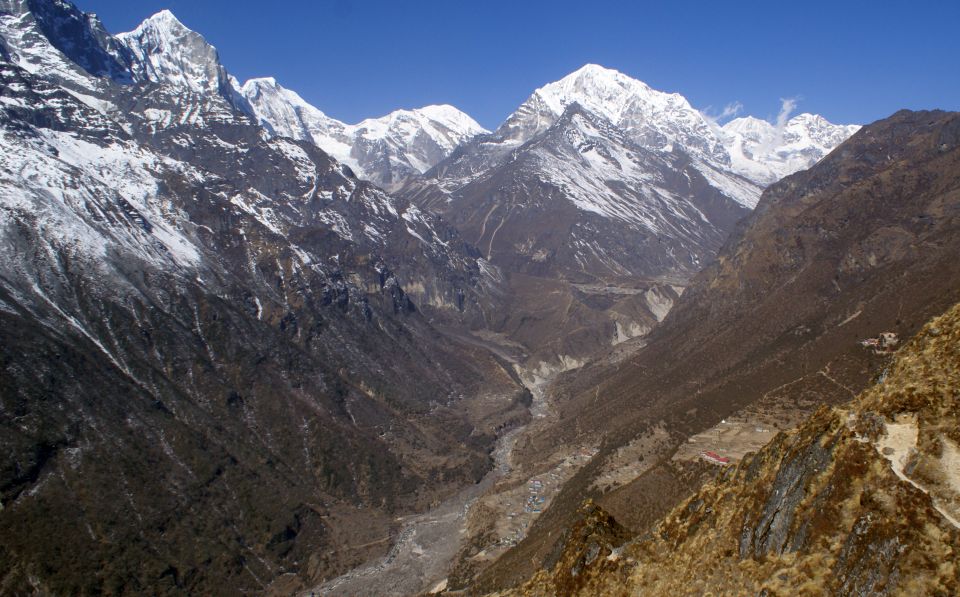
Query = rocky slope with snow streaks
x=211 y=364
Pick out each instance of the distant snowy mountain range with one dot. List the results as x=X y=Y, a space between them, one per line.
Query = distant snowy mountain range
x=384 y=150
x=766 y=152
x=741 y=157
x=408 y=142
x=644 y=183
x=596 y=177
x=390 y=149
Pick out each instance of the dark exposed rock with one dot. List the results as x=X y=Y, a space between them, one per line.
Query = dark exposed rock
x=81 y=37
x=771 y=532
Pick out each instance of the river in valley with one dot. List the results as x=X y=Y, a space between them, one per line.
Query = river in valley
x=427 y=544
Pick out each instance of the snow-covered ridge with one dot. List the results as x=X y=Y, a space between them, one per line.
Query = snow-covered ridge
x=655 y=119
x=603 y=91
x=444 y=123
x=384 y=149
x=745 y=155
x=283 y=113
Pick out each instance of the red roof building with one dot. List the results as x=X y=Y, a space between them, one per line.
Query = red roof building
x=714 y=457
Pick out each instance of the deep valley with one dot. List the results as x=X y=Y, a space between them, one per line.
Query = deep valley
x=615 y=345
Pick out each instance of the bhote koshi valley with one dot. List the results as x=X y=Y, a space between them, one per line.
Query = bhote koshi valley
x=611 y=347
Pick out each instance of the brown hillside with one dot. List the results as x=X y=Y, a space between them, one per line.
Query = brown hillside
x=864 y=242
x=860 y=500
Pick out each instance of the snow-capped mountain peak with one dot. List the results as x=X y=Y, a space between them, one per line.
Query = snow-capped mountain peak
x=270 y=95
x=163 y=19
x=443 y=118
x=654 y=119
x=819 y=130
x=603 y=91
x=169 y=52
x=748 y=152
x=283 y=113
x=258 y=83
x=452 y=116
x=428 y=134
x=449 y=124
x=747 y=125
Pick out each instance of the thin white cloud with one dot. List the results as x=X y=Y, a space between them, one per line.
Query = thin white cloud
x=787 y=107
x=729 y=111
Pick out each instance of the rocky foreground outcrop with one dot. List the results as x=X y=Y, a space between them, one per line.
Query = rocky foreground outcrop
x=862 y=499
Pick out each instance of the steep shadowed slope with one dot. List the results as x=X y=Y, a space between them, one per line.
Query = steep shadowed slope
x=212 y=376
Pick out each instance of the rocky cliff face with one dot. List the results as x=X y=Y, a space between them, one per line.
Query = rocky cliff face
x=861 y=499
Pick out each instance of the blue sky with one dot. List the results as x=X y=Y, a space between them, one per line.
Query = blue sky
x=852 y=61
